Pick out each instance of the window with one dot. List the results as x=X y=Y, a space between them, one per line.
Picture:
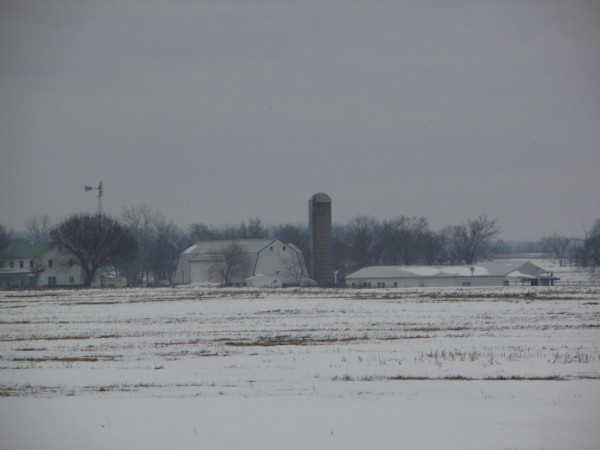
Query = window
x=466 y=283
x=71 y=263
x=284 y=248
x=21 y=264
x=51 y=281
x=353 y=284
x=12 y=264
x=71 y=280
x=49 y=263
x=395 y=284
x=383 y=284
x=1 y=264
x=31 y=263
x=271 y=248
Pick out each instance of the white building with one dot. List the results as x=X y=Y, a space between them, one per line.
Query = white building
x=501 y=273
x=267 y=257
x=47 y=264
x=38 y=265
x=262 y=281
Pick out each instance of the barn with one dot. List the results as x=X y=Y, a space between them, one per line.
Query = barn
x=498 y=273
x=264 y=257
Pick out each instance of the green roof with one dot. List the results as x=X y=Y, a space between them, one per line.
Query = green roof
x=25 y=251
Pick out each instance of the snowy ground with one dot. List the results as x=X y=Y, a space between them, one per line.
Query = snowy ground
x=496 y=368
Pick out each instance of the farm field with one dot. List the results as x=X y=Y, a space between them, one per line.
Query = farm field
x=194 y=367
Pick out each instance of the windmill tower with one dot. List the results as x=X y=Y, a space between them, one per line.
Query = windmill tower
x=100 y=192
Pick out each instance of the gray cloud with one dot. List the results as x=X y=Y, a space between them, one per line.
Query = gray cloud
x=220 y=111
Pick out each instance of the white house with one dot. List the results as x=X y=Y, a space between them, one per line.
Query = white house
x=500 y=273
x=47 y=264
x=38 y=265
x=267 y=257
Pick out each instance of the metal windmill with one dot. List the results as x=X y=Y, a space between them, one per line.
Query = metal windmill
x=99 y=189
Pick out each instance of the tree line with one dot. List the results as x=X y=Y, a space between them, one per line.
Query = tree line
x=144 y=245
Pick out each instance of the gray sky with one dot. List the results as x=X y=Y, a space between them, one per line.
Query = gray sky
x=218 y=111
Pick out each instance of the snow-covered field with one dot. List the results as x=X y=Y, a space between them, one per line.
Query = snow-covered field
x=496 y=368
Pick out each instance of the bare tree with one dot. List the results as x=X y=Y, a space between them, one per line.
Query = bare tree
x=591 y=248
x=360 y=235
x=96 y=241
x=294 y=265
x=5 y=237
x=38 y=228
x=473 y=240
x=199 y=232
x=166 y=247
x=434 y=248
x=141 y=220
x=340 y=252
x=253 y=229
x=402 y=240
x=560 y=246
x=36 y=268
x=229 y=261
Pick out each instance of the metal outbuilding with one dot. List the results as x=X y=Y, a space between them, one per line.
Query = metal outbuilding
x=498 y=273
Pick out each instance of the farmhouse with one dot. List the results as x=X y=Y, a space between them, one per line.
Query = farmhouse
x=265 y=259
x=38 y=265
x=500 y=273
x=47 y=264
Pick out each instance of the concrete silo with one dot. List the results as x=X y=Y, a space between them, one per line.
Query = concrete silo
x=319 y=219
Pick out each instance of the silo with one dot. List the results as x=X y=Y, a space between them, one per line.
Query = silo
x=319 y=219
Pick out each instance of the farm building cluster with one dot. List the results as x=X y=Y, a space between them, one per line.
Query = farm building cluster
x=265 y=263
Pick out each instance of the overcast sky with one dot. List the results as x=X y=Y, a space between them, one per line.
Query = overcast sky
x=217 y=111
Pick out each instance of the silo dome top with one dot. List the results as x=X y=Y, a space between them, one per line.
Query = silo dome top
x=321 y=197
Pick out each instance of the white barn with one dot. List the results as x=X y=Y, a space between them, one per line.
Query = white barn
x=267 y=257
x=500 y=273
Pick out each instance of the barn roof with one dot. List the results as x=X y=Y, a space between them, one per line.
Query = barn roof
x=501 y=268
x=212 y=247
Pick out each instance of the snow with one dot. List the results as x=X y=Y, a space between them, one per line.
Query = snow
x=200 y=367
x=517 y=274
x=422 y=271
x=432 y=415
x=453 y=271
x=191 y=249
